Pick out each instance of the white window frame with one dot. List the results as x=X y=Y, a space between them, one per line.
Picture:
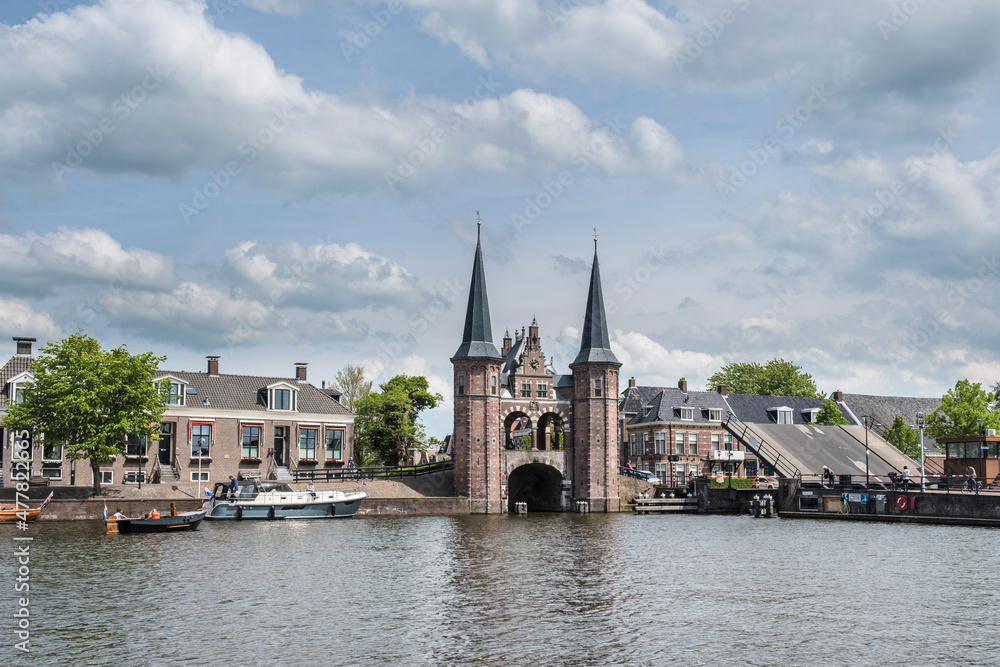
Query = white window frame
x=542 y=390
x=660 y=442
x=716 y=442
x=50 y=460
x=687 y=414
x=809 y=416
x=692 y=444
x=727 y=442
x=715 y=414
x=206 y=476
x=18 y=382
x=782 y=415
x=679 y=444
x=107 y=476
x=57 y=473
x=293 y=397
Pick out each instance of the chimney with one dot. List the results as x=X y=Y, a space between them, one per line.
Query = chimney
x=722 y=389
x=506 y=343
x=838 y=396
x=213 y=365
x=300 y=371
x=682 y=384
x=24 y=345
x=631 y=383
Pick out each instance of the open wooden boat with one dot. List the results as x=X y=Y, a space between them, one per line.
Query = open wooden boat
x=13 y=514
x=164 y=524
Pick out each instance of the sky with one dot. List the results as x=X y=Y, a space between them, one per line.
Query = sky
x=282 y=181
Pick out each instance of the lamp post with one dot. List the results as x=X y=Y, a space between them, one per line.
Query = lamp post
x=920 y=425
x=868 y=424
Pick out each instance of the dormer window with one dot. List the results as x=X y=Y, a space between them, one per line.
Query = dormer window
x=810 y=415
x=714 y=415
x=687 y=414
x=781 y=415
x=176 y=390
x=282 y=397
x=16 y=387
x=646 y=410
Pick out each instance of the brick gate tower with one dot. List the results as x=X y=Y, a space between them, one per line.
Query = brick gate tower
x=478 y=442
x=595 y=407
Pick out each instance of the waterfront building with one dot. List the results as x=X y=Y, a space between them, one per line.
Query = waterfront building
x=524 y=432
x=215 y=425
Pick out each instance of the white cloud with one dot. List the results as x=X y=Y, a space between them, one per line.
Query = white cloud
x=36 y=264
x=324 y=276
x=657 y=365
x=18 y=318
x=156 y=88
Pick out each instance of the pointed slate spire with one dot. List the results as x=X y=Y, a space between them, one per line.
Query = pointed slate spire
x=596 y=344
x=477 y=340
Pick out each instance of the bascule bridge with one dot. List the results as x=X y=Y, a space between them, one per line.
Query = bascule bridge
x=524 y=432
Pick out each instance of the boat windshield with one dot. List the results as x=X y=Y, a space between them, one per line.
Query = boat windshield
x=281 y=487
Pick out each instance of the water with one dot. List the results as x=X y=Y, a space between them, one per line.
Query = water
x=509 y=590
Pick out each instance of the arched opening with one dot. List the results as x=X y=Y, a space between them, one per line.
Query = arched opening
x=537 y=484
x=518 y=432
x=551 y=434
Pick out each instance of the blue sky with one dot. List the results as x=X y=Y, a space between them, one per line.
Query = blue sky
x=277 y=181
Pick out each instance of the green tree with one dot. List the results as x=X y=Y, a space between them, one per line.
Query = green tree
x=830 y=414
x=775 y=378
x=387 y=423
x=960 y=411
x=90 y=400
x=353 y=385
x=901 y=436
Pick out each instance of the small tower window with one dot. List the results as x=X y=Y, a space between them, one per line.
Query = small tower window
x=597 y=387
x=493 y=387
x=461 y=384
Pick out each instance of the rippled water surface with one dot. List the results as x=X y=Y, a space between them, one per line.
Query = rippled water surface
x=510 y=590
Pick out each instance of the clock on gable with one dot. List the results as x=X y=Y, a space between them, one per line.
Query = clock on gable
x=534 y=364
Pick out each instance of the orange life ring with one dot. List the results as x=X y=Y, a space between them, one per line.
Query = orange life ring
x=901 y=502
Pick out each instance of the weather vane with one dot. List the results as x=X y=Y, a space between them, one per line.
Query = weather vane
x=479 y=221
x=595 y=238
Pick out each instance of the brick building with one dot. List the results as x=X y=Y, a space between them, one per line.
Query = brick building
x=525 y=433
x=678 y=434
x=215 y=425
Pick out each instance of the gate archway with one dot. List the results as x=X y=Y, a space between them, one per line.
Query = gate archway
x=518 y=431
x=551 y=435
x=537 y=484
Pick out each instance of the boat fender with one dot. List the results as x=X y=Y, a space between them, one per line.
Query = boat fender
x=239 y=513
x=901 y=502
x=913 y=502
x=270 y=512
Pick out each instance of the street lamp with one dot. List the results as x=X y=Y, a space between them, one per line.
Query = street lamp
x=868 y=421
x=920 y=425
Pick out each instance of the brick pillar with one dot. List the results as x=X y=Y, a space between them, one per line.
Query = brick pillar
x=477 y=434
x=595 y=435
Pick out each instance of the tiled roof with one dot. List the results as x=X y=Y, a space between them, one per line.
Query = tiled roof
x=244 y=392
x=595 y=343
x=634 y=398
x=667 y=403
x=885 y=408
x=16 y=365
x=753 y=409
x=477 y=339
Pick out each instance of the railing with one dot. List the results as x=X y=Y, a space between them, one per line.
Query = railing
x=762 y=449
x=379 y=472
x=629 y=472
x=154 y=476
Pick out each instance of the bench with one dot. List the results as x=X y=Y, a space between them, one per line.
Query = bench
x=38 y=480
x=250 y=474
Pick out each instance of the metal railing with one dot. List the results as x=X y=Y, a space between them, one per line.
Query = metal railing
x=374 y=472
x=762 y=449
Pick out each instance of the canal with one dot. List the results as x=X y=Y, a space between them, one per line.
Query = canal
x=508 y=590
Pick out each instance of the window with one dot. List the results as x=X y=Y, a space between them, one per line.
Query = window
x=16 y=392
x=662 y=472
x=108 y=477
x=687 y=414
x=784 y=416
x=135 y=447
x=461 y=384
x=597 y=387
x=715 y=442
x=631 y=444
x=645 y=444
x=693 y=444
x=176 y=396
x=493 y=385
x=202 y=476
x=661 y=443
x=334 y=445
x=646 y=410
x=680 y=474
x=53 y=473
x=525 y=390
x=543 y=390
x=727 y=441
x=201 y=440
x=307 y=443
x=679 y=443
x=281 y=399
x=714 y=415
x=251 y=442
x=52 y=452
x=693 y=470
